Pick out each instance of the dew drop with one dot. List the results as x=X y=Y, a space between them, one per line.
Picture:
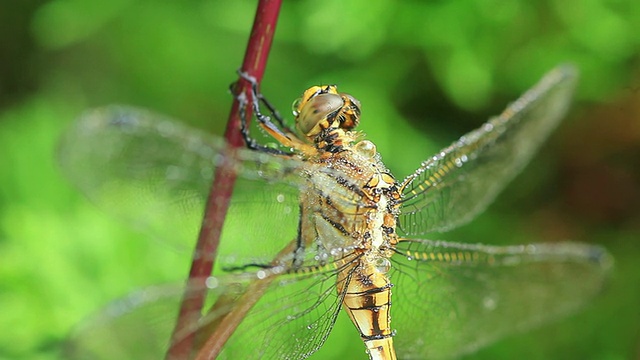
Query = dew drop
x=365 y=148
x=382 y=265
x=261 y=274
x=489 y=303
x=212 y=282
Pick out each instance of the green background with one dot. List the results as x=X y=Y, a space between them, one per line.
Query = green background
x=425 y=72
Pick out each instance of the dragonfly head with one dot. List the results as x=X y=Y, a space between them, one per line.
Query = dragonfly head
x=322 y=107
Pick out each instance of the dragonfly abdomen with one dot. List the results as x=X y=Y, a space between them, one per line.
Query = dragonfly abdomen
x=367 y=300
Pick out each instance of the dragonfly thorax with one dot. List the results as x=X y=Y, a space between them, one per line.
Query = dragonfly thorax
x=362 y=208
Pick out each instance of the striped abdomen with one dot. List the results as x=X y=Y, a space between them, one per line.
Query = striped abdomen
x=367 y=300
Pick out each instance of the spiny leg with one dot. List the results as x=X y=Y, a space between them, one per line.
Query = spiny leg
x=285 y=136
x=244 y=125
x=257 y=97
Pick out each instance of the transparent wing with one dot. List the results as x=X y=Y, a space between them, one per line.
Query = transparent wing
x=156 y=173
x=455 y=185
x=451 y=298
x=290 y=321
x=138 y=326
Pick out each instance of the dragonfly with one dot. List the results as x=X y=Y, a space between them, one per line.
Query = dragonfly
x=318 y=219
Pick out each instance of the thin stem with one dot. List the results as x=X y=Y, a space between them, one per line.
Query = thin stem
x=218 y=337
x=254 y=64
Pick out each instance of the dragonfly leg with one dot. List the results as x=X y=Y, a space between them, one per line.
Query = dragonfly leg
x=244 y=127
x=282 y=134
x=243 y=268
x=257 y=95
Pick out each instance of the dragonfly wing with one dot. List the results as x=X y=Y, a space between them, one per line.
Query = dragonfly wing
x=138 y=326
x=451 y=298
x=291 y=320
x=455 y=185
x=156 y=174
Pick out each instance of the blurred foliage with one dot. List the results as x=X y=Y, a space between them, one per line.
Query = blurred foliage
x=425 y=71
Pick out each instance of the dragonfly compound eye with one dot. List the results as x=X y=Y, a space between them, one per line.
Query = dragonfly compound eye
x=350 y=113
x=318 y=113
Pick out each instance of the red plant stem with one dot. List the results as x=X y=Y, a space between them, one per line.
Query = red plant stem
x=254 y=64
x=216 y=340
